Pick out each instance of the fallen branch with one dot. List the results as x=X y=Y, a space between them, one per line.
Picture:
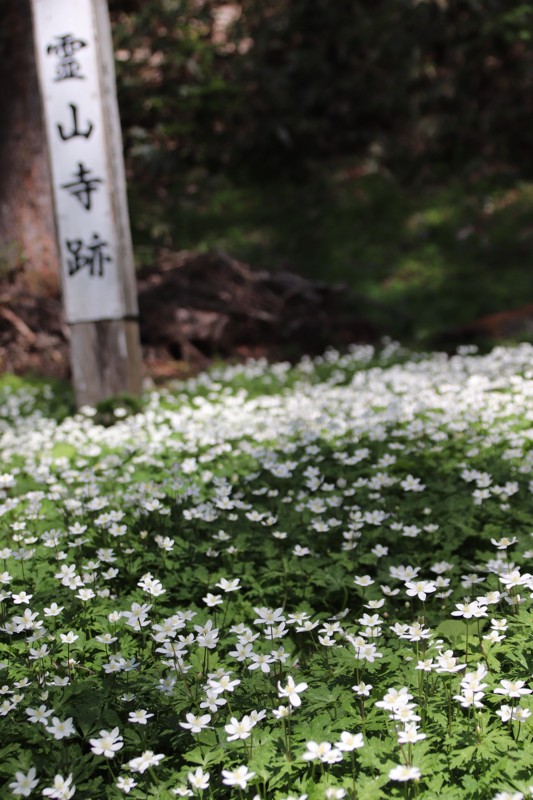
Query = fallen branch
x=18 y=324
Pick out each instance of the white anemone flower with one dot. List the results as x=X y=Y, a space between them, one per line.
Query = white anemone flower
x=292 y=691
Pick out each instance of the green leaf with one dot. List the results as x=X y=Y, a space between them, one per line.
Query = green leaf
x=462 y=757
x=452 y=629
x=371 y=788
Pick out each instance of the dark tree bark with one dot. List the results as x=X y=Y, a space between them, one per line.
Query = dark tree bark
x=27 y=233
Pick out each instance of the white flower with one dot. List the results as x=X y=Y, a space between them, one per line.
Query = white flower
x=410 y=734
x=412 y=484
x=144 y=761
x=350 y=741
x=419 y=589
x=396 y=698
x=53 y=610
x=213 y=700
x=85 y=594
x=402 y=772
x=469 y=610
x=62 y=788
x=106 y=638
x=505 y=713
x=512 y=688
x=237 y=777
x=212 y=600
x=196 y=724
x=292 y=691
x=40 y=714
x=447 y=662
x=416 y=632
x=363 y=580
x=494 y=637
x=256 y=716
x=333 y=756
x=229 y=586
x=499 y=624
x=239 y=730
x=473 y=680
x=405 y=714
x=108 y=743
x=61 y=729
x=207 y=636
x=141 y=716
x=21 y=597
x=362 y=689
x=268 y=616
x=199 y=779
x=68 y=638
x=470 y=698
x=151 y=585
x=514 y=578
x=126 y=784
x=260 y=661
x=504 y=542
x=316 y=750
x=521 y=714
x=23 y=785
x=224 y=684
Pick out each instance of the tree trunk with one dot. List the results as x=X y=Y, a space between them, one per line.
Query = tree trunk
x=27 y=232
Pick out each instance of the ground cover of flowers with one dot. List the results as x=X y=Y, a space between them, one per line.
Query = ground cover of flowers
x=273 y=582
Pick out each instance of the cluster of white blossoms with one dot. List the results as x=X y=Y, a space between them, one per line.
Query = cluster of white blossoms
x=329 y=753
x=218 y=570
x=25 y=783
x=406 y=723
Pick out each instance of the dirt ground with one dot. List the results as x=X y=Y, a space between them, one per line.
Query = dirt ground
x=192 y=309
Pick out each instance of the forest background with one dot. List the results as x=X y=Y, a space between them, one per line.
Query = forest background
x=382 y=143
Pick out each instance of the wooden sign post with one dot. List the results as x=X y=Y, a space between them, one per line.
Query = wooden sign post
x=77 y=79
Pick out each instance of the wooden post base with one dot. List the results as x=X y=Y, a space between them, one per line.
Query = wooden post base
x=105 y=357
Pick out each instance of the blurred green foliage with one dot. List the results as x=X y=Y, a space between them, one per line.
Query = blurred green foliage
x=422 y=260
x=270 y=84
x=385 y=143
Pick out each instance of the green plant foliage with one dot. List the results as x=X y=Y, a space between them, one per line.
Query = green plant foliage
x=261 y=84
x=273 y=581
x=384 y=145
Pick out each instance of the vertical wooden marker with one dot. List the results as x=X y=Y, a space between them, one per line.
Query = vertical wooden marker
x=77 y=80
